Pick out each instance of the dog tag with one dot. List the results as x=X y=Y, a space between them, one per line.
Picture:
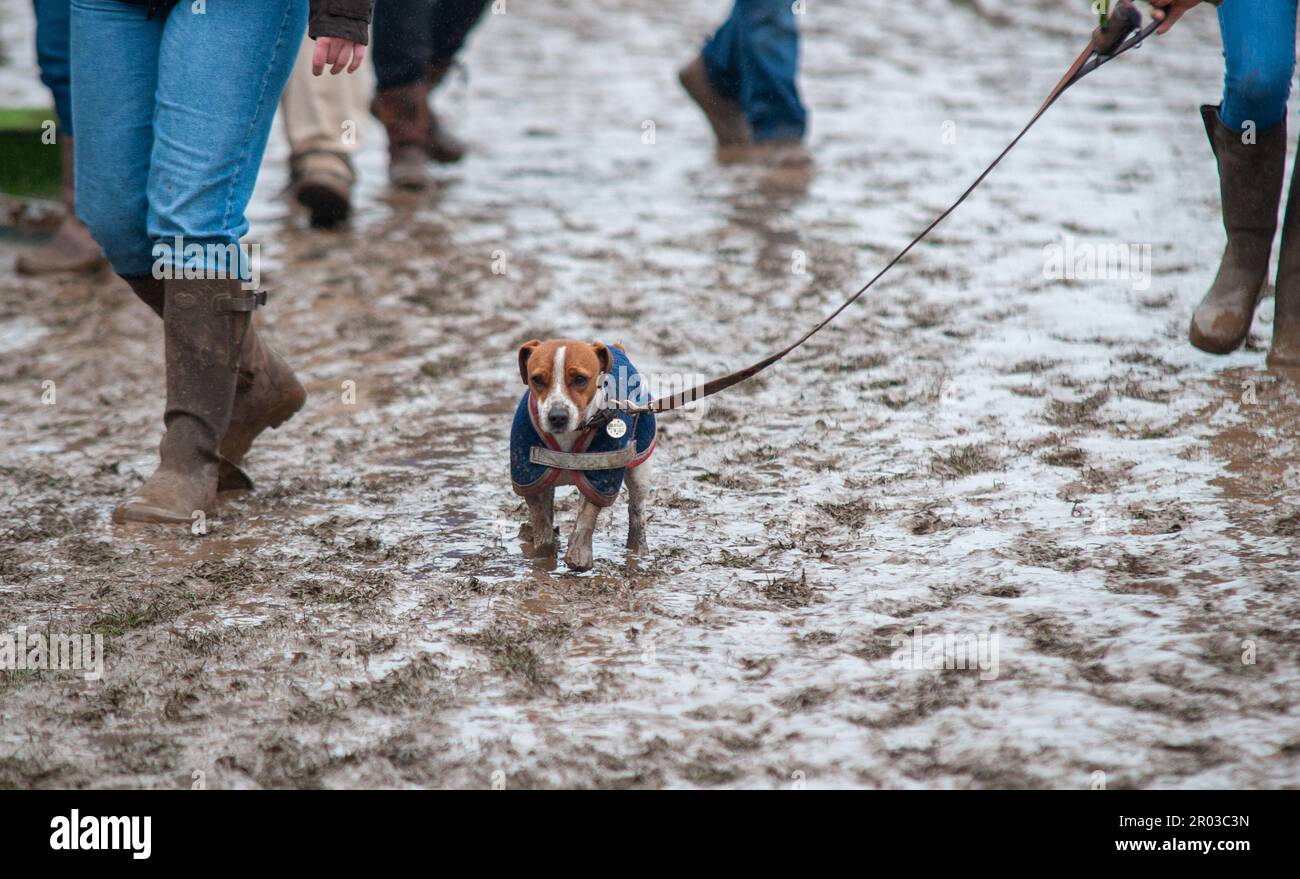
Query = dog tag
x=616 y=428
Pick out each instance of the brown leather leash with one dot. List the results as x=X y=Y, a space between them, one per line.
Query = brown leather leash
x=1122 y=32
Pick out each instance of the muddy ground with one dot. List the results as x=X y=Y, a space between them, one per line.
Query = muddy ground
x=980 y=449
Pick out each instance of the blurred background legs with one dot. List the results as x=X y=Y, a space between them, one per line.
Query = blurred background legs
x=415 y=44
x=71 y=249
x=745 y=79
x=325 y=120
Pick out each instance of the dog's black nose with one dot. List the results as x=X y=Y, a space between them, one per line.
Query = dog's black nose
x=557 y=419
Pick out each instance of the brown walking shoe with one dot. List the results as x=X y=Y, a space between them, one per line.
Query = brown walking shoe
x=404 y=112
x=322 y=183
x=72 y=249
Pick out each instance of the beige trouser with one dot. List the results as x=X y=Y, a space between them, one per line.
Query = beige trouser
x=325 y=113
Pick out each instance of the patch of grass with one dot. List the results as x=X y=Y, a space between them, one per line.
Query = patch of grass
x=1077 y=413
x=851 y=514
x=1032 y=367
x=859 y=363
x=403 y=688
x=1004 y=590
x=961 y=461
x=706 y=772
x=137 y=613
x=1136 y=390
x=18 y=772
x=927 y=521
x=366 y=588
x=792 y=591
x=808 y=697
x=1142 y=358
x=1054 y=638
x=917 y=700
x=1065 y=456
x=12 y=679
x=514 y=652
x=1287 y=526
x=728 y=559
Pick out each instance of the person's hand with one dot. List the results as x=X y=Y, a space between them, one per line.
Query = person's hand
x=1169 y=11
x=335 y=51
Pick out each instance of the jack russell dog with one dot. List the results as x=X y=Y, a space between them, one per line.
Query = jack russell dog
x=567 y=383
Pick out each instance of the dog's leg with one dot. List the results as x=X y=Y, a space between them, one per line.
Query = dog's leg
x=638 y=486
x=578 y=558
x=541 y=514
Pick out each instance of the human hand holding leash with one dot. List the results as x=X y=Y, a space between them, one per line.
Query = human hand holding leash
x=1169 y=11
x=335 y=51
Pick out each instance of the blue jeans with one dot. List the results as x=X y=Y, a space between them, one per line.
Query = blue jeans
x=753 y=59
x=52 y=18
x=1259 y=60
x=172 y=117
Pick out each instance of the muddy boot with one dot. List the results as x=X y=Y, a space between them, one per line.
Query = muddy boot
x=148 y=290
x=322 y=183
x=267 y=393
x=442 y=146
x=71 y=249
x=1250 y=186
x=730 y=126
x=404 y=112
x=204 y=326
x=1285 y=350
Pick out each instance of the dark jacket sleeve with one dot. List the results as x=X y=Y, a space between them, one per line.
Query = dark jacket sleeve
x=345 y=19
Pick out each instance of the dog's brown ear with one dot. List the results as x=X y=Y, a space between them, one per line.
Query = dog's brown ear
x=602 y=356
x=526 y=351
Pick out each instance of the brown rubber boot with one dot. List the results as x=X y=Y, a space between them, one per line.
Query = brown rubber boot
x=322 y=183
x=728 y=121
x=443 y=146
x=148 y=290
x=71 y=249
x=204 y=327
x=404 y=112
x=1284 y=353
x=267 y=393
x=1250 y=186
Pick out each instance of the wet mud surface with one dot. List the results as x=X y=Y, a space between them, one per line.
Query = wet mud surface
x=977 y=449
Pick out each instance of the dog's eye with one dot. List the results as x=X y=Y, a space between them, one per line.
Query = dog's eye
x=579 y=381
x=539 y=382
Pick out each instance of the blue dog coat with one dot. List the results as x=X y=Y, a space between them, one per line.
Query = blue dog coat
x=600 y=486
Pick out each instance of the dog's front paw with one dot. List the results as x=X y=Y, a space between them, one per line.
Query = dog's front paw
x=578 y=558
x=636 y=543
